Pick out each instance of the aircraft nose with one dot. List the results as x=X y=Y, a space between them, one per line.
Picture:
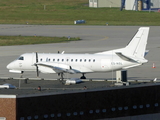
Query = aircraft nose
x=10 y=65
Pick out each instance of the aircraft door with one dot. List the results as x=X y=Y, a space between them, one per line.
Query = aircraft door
x=33 y=58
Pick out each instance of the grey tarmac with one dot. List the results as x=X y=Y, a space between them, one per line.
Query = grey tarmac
x=93 y=39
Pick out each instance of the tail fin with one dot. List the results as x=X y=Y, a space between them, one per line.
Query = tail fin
x=137 y=46
x=136 y=49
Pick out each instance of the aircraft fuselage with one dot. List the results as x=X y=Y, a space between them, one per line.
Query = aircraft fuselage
x=83 y=63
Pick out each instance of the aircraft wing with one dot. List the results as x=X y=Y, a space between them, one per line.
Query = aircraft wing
x=46 y=67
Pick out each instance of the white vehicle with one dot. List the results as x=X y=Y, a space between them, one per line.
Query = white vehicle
x=7 y=86
x=130 y=56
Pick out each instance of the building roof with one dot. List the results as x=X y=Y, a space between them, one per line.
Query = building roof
x=48 y=87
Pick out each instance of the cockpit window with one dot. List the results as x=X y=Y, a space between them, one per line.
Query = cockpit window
x=21 y=58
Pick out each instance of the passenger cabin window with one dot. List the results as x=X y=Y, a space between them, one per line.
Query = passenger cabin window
x=41 y=59
x=21 y=58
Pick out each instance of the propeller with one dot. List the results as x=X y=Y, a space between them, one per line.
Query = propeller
x=37 y=65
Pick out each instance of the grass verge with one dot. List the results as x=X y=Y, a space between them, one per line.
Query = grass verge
x=67 y=11
x=25 y=40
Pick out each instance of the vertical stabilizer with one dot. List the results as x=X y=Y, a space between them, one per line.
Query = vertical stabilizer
x=137 y=46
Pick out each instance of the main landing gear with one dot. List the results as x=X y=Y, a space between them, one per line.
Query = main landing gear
x=83 y=77
x=61 y=74
x=61 y=79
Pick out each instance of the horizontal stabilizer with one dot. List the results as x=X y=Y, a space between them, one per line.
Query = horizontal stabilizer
x=126 y=58
x=130 y=66
x=133 y=59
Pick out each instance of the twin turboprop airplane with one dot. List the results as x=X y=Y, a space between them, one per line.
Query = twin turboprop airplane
x=119 y=59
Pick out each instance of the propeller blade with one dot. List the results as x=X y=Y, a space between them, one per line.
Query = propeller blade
x=36 y=57
x=37 y=65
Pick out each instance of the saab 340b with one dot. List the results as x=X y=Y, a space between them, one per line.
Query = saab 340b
x=119 y=59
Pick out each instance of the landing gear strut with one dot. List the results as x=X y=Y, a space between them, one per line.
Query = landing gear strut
x=83 y=77
x=61 y=79
x=21 y=74
x=62 y=76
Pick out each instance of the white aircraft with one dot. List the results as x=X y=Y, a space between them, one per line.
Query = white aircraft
x=130 y=56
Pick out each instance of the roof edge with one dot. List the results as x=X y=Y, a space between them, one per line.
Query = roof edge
x=8 y=96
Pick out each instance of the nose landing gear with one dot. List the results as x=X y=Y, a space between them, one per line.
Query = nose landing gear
x=21 y=74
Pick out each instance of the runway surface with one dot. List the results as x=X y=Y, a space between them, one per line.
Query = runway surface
x=93 y=39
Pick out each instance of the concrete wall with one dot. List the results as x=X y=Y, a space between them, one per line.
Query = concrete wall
x=154 y=4
x=130 y=5
x=109 y=3
x=93 y=3
x=104 y=3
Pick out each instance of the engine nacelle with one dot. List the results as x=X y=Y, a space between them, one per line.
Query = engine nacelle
x=15 y=71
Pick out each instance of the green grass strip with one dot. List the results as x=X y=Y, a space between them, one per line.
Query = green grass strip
x=58 y=12
x=25 y=40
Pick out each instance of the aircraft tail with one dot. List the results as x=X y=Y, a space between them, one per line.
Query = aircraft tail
x=137 y=46
x=136 y=49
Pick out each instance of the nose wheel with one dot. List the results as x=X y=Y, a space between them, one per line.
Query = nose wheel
x=21 y=74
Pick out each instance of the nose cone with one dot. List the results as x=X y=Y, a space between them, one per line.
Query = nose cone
x=10 y=66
